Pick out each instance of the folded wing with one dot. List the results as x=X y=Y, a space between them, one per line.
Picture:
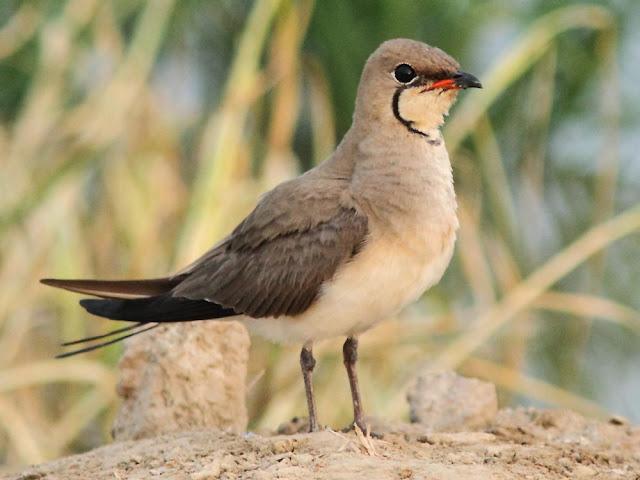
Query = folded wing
x=274 y=263
x=273 y=275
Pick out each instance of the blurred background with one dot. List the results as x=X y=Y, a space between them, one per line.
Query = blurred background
x=134 y=134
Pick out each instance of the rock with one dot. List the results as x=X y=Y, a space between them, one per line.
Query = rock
x=446 y=401
x=183 y=376
x=210 y=472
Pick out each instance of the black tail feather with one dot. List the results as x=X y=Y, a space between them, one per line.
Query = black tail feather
x=104 y=335
x=158 y=309
x=105 y=344
x=149 y=312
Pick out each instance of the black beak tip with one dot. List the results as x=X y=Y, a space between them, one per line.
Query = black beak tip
x=465 y=80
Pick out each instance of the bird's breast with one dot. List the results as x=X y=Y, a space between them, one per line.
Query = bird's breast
x=411 y=208
x=389 y=273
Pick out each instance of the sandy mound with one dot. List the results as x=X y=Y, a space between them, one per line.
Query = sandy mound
x=457 y=431
x=519 y=444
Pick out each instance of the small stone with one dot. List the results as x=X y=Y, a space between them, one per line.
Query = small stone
x=32 y=476
x=565 y=462
x=283 y=446
x=406 y=473
x=293 y=426
x=461 y=438
x=304 y=458
x=446 y=401
x=210 y=472
x=583 y=471
x=618 y=420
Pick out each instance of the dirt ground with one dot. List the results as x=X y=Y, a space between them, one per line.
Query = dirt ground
x=519 y=444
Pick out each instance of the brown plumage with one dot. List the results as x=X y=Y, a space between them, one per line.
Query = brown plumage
x=263 y=274
x=116 y=288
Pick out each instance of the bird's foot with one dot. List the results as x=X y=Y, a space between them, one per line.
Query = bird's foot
x=364 y=427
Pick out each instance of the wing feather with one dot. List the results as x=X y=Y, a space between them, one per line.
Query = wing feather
x=116 y=288
x=275 y=264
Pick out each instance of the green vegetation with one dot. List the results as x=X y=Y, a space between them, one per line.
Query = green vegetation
x=135 y=134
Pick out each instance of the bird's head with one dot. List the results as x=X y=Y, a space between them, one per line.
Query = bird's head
x=411 y=84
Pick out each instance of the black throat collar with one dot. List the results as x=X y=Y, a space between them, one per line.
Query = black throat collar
x=395 y=106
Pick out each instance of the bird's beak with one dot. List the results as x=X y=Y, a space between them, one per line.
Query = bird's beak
x=459 y=81
x=466 y=80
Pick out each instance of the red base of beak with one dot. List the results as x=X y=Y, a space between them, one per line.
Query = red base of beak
x=446 y=84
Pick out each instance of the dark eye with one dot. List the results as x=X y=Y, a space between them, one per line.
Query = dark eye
x=404 y=73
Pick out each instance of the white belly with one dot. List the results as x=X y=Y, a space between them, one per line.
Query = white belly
x=388 y=274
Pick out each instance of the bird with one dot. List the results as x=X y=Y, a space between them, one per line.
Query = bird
x=336 y=250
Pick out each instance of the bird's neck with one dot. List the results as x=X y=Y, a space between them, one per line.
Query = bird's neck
x=400 y=177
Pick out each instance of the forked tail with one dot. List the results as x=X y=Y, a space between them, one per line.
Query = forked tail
x=148 y=303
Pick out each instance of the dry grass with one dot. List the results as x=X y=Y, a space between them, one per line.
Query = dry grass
x=94 y=184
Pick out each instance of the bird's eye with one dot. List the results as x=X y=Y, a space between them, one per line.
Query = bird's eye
x=404 y=73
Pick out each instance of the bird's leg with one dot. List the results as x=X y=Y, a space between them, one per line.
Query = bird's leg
x=307 y=363
x=350 y=356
